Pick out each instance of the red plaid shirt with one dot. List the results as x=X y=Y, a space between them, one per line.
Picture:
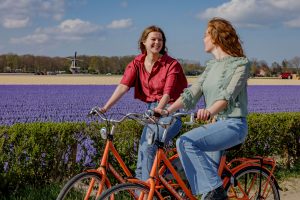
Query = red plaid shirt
x=166 y=77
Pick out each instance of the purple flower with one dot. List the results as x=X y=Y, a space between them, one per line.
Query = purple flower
x=60 y=103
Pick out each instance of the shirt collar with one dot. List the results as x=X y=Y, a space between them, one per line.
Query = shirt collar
x=162 y=59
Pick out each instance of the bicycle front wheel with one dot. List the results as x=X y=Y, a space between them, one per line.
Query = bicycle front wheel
x=254 y=184
x=126 y=191
x=86 y=185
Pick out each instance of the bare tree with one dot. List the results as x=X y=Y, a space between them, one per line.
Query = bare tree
x=296 y=63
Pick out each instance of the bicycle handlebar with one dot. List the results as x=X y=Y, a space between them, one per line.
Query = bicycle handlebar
x=145 y=118
x=96 y=111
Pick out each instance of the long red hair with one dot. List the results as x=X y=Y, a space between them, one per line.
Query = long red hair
x=224 y=35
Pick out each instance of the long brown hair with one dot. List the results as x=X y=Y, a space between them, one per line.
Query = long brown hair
x=224 y=35
x=145 y=35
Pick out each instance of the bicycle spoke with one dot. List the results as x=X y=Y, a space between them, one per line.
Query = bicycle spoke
x=87 y=185
x=248 y=185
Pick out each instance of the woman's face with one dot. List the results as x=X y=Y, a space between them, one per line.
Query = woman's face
x=208 y=43
x=154 y=42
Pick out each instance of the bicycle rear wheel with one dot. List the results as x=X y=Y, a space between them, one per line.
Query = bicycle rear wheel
x=248 y=182
x=85 y=185
x=126 y=191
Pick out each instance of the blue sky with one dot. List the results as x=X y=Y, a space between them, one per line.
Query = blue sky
x=269 y=29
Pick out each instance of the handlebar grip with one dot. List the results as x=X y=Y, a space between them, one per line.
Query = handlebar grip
x=95 y=110
x=156 y=114
x=152 y=113
x=195 y=115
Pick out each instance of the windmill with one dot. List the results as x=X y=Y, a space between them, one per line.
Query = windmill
x=74 y=68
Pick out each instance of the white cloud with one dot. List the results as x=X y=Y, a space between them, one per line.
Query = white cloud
x=255 y=13
x=31 y=39
x=119 y=24
x=288 y=5
x=17 y=14
x=77 y=26
x=68 y=30
x=15 y=23
x=51 y=9
x=294 y=23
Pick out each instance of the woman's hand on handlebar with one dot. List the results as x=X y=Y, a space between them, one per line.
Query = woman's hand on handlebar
x=102 y=110
x=203 y=114
x=159 y=112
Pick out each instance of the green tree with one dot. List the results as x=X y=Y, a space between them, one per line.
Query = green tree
x=94 y=64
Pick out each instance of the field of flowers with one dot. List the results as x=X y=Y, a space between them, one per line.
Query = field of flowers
x=58 y=103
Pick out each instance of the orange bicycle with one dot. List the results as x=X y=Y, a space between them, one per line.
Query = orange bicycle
x=91 y=183
x=243 y=178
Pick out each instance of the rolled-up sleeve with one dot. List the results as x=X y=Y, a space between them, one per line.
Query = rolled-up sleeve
x=130 y=75
x=235 y=85
x=191 y=95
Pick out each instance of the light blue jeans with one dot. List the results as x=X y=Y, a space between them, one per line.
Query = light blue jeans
x=200 y=151
x=146 y=152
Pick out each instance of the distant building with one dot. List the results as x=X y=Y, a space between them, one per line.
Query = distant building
x=261 y=73
x=74 y=68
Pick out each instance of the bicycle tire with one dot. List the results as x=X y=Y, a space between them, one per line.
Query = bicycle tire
x=251 y=175
x=125 y=191
x=77 y=186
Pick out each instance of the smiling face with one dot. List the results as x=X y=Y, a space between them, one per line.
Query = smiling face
x=153 y=42
x=154 y=38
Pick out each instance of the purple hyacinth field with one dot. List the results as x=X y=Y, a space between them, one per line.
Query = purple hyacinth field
x=59 y=103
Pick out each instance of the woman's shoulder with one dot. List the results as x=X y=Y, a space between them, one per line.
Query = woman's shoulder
x=136 y=63
x=139 y=58
x=229 y=61
x=168 y=59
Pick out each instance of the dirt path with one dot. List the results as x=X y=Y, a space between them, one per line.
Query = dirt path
x=291 y=189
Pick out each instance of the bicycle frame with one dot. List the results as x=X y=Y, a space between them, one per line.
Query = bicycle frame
x=157 y=181
x=105 y=166
x=153 y=182
x=228 y=171
x=161 y=157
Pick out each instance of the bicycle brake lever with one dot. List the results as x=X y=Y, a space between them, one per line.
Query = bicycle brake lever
x=93 y=111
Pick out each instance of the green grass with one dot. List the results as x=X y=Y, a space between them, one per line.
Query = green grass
x=47 y=192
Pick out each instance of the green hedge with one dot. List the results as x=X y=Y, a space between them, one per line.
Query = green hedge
x=39 y=153
x=274 y=135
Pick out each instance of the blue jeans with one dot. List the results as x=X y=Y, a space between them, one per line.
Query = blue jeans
x=200 y=151
x=146 y=152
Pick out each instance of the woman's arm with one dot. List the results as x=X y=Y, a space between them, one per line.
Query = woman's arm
x=163 y=101
x=118 y=93
x=172 y=108
x=217 y=107
x=206 y=113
